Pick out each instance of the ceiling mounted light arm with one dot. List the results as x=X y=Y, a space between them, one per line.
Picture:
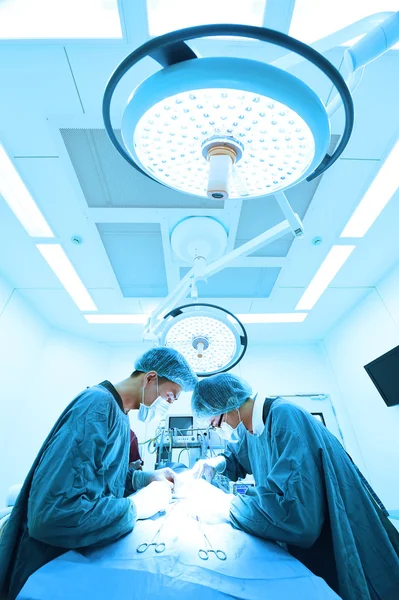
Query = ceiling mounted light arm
x=337 y=38
x=170 y=54
x=181 y=291
x=196 y=241
x=353 y=79
x=268 y=237
x=165 y=49
x=375 y=43
x=372 y=45
x=291 y=216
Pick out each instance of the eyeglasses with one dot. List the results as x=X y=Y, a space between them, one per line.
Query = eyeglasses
x=219 y=423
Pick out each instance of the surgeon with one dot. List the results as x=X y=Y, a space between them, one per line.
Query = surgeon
x=308 y=495
x=78 y=492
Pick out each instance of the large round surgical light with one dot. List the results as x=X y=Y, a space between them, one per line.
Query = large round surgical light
x=225 y=127
x=211 y=338
x=275 y=126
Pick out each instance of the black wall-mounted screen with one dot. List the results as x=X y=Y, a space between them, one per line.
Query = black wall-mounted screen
x=384 y=373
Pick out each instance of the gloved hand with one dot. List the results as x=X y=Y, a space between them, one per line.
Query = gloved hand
x=208 y=467
x=167 y=475
x=153 y=498
x=137 y=465
x=141 y=479
x=208 y=503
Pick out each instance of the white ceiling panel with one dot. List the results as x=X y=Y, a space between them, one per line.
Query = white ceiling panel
x=51 y=123
x=376 y=253
x=27 y=134
x=20 y=261
x=101 y=62
x=56 y=196
x=38 y=80
x=57 y=307
x=340 y=190
x=46 y=19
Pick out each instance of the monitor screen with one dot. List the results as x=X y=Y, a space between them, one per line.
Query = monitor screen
x=181 y=422
x=384 y=373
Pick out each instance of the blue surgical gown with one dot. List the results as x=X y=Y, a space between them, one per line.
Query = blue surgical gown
x=309 y=495
x=74 y=494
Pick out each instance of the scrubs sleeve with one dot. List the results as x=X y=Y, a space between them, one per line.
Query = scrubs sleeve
x=70 y=505
x=129 y=483
x=288 y=504
x=237 y=463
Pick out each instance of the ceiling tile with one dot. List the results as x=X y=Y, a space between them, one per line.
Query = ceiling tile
x=136 y=254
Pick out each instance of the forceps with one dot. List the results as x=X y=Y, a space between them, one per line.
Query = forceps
x=159 y=546
x=204 y=553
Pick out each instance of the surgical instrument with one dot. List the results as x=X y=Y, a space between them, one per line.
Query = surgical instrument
x=159 y=546
x=203 y=553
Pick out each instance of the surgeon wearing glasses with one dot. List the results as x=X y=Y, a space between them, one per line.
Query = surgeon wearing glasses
x=308 y=493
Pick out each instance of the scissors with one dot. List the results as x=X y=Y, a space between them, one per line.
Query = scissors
x=204 y=553
x=159 y=546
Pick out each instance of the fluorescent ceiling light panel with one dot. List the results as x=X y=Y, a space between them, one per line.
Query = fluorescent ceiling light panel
x=59 y=19
x=376 y=198
x=62 y=267
x=169 y=15
x=272 y=317
x=313 y=20
x=337 y=256
x=131 y=319
x=15 y=193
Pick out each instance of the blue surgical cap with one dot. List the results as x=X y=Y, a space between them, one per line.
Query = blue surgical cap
x=219 y=394
x=170 y=364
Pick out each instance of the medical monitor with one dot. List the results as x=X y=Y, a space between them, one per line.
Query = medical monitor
x=384 y=373
x=181 y=422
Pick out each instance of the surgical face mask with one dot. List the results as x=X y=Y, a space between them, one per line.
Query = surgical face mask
x=146 y=413
x=229 y=433
x=161 y=407
x=158 y=409
x=225 y=431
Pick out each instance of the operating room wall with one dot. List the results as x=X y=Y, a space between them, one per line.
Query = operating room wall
x=369 y=331
x=41 y=370
x=23 y=335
